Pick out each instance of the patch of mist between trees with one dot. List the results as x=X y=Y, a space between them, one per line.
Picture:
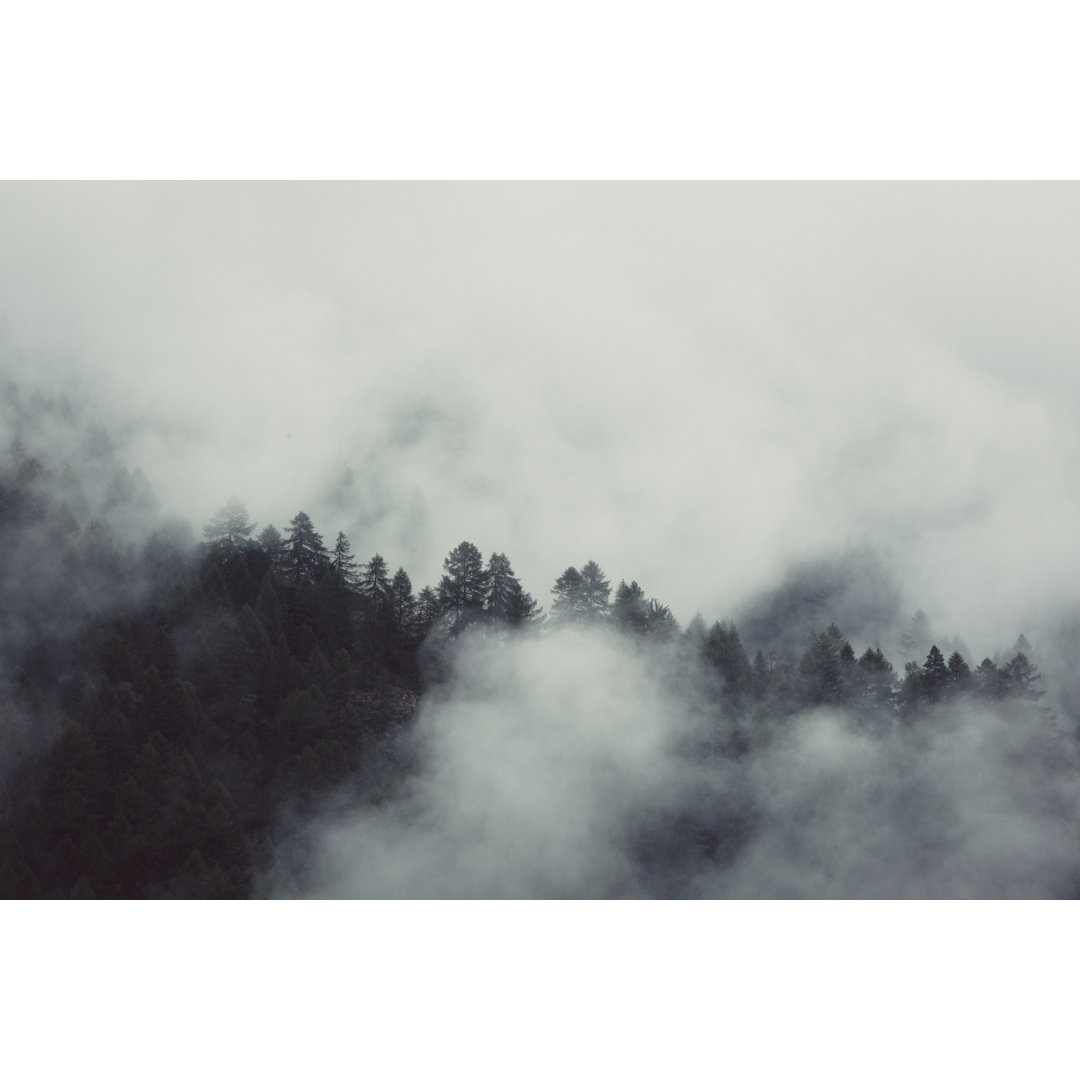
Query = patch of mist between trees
x=856 y=590
x=574 y=764
x=968 y=804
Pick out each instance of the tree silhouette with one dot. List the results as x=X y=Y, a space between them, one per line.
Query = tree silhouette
x=374 y=587
x=464 y=585
x=306 y=553
x=343 y=561
x=629 y=611
x=403 y=602
x=935 y=675
x=595 y=589
x=507 y=601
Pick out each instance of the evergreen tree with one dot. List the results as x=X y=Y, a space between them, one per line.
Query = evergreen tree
x=695 y=633
x=1022 y=645
x=916 y=639
x=659 y=622
x=848 y=671
x=989 y=680
x=823 y=681
x=507 y=602
x=1020 y=676
x=274 y=545
x=404 y=603
x=464 y=586
x=960 y=678
x=230 y=525
x=724 y=650
x=374 y=587
x=568 y=605
x=501 y=580
x=523 y=608
x=344 y=563
x=581 y=596
x=428 y=609
x=629 y=612
x=911 y=689
x=595 y=589
x=935 y=675
x=878 y=681
x=307 y=555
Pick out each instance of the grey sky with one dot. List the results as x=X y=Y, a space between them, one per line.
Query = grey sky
x=694 y=385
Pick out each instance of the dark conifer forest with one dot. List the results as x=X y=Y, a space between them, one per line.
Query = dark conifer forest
x=192 y=712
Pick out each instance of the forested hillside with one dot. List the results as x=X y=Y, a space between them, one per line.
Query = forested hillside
x=174 y=709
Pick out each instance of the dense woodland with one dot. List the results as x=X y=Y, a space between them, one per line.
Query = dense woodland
x=167 y=704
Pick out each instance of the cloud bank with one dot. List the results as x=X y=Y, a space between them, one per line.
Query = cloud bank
x=573 y=765
x=696 y=385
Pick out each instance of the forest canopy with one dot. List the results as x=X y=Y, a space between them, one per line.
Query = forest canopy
x=170 y=709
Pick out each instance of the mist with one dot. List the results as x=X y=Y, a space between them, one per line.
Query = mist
x=695 y=384
x=579 y=765
x=786 y=405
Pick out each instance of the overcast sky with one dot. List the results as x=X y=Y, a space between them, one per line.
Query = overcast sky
x=695 y=385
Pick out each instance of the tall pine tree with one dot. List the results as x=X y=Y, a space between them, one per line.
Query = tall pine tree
x=464 y=586
x=307 y=555
x=344 y=563
x=507 y=602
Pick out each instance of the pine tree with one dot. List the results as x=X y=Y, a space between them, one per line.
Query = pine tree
x=911 y=689
x=878 y=680
x=848 y=671
x=404 y=603
x=629 y=612
x=500 y=582
x=1020 y=676
x=428 y=609
x=569 y=603
x=274 y=545
x=595 y=589
x=374 y=586
x=935 y=676
x=523 y=608
x=307 y=555
x=659 y=622
x=724 y=649
x=820 y=667
x=916 y=639
x=989 y=680
x=344 y=563
x=695 y=633
x=959 y=673
x=464 y=586
x=230 y=525
x=507 y=602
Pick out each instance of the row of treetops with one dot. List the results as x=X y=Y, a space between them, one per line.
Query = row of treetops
x=471 y=592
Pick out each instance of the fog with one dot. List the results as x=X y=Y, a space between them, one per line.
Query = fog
x=571 y=765
x=786 y=404
x=697 y=385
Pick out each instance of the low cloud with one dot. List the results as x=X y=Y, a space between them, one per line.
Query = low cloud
x=696 y=385
x=715 y=390
x=577 y=765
